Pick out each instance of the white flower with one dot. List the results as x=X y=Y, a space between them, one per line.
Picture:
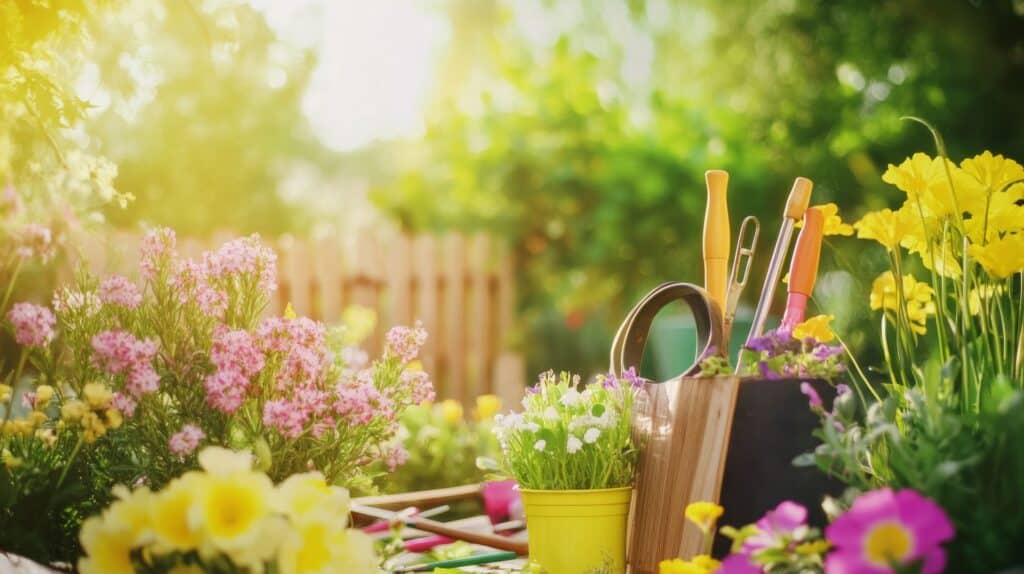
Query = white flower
x=571 y=398
x=531 y=427
x=540 y=445
x=573 y=445
x=550 y=414
x=591 y=436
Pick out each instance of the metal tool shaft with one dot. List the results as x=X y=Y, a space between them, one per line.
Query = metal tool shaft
x=771 y=279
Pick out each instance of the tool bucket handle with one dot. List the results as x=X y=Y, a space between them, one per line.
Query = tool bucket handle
x=631 y=338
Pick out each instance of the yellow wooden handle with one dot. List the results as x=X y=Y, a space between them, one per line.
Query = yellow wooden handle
x=799 y=198
x=716 y=236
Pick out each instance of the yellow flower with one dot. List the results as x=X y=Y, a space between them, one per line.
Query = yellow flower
x=114 y=418
x=816 y=327
x=306 y=549
x=993 y=171
x=47 y=436
x=130 y=513
x=354 y=549
x=834 y=224
x=980 y=294
x=679 y=566
x=97 y=395
x=451 y=411
x=170 y=513
x=925 y=180
x=73 y=411
x=303 y=494
x=487 y=406
x=884 y=226
x=219 y=460
x=36 y=418
x=704 y=514
x=5 y=393
x=10 y=461
x=706 y=562
x=43 y=395
x=231 y=510
x=289 y=311
x=359 y=323
x=108 y=548
x=813 y=547
x=1002 y=257
x=918 y=295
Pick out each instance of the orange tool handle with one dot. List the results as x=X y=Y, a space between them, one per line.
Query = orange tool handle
x=717 y=236
x=804 y=269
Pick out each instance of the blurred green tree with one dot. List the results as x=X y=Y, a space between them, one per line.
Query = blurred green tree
x=587 y=152
x=204 y=117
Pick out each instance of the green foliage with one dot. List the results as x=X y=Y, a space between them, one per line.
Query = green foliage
x=596 y=177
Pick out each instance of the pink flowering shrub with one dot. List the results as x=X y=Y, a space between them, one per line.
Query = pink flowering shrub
x=190 y=358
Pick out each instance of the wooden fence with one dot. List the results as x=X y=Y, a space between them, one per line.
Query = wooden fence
x=461 y=288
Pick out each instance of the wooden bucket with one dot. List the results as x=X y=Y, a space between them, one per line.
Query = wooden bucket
x=724 y=439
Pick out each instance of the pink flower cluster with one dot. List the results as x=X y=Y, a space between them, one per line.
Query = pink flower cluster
x=192 y=283
x=406 y=342
x=124 y=404
x=301 y=344
x=120 y=292
x=33 y=324
x=237 y=359
x=157 y=251
x=35 y=240
x=395 y=457
x=119 y=352
x=241 y=257
x=420 y=388
x=185 y=441
x=358 y=402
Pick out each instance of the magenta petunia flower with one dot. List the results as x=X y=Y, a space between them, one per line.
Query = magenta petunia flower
x=738 y=564
x=885 y=528
x=776 y=525
x=813 y=398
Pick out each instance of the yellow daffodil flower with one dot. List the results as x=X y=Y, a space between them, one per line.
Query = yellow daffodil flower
x=704 y=514
x=109 y=546
x=1002 y=257
x=918 y=297
x=487 y=406
x=817 y=328
x=884 y=226
x=451 y=411
x=925 y=180
x=302 y=494
x=171 y=511
x=219 y=460
x=679 y=566
x=834 y=224
x=977 y=296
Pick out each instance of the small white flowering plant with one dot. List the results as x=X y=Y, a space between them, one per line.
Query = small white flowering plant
x=571 y=436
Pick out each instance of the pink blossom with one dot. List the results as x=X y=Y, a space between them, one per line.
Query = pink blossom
x=192 y=282
x=354 y=357
x=142 y=379
x=35 y=240
x=323 y=426
x=186 y=440
x=307 y=332
x=359 y=403
x=301 y=365
x=420 y=387
x=395 y=456
x=405 y=342
x=225 y=390
x=273 y=334
x=813 y=398
x=119 y=291
x=244 y=256
x=864 y=536
x=283 y=416
x=28 y=400
x=118 y=351
x=157 y=251
x=235 y=350
x=124 y=404
x=33 y=324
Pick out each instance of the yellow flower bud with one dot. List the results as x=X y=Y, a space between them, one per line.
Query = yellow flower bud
x=487 y=406
x=97 y=395
x=9 y=460
x=5 y=393
x=114 y=419
x=43 y=395
x=72 y=411
x=704 y=514
x=451 y=411
x=36 y=418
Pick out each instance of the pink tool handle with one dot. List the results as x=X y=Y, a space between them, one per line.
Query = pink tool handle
x=803 y=269
x=426 y=543
x=384 y=525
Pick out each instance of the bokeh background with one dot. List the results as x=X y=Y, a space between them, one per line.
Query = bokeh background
x=575 y=133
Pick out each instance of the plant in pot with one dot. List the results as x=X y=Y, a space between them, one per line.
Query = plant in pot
x=573 y=455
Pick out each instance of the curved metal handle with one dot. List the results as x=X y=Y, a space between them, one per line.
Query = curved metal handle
x=631 y=337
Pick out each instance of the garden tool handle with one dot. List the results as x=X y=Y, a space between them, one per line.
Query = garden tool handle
x=803 y=269
x=434 y=527
x=799 y=198
x=631 y=337
x=716 y=236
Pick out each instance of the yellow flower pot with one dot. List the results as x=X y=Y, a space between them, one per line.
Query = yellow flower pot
x=578 y=531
